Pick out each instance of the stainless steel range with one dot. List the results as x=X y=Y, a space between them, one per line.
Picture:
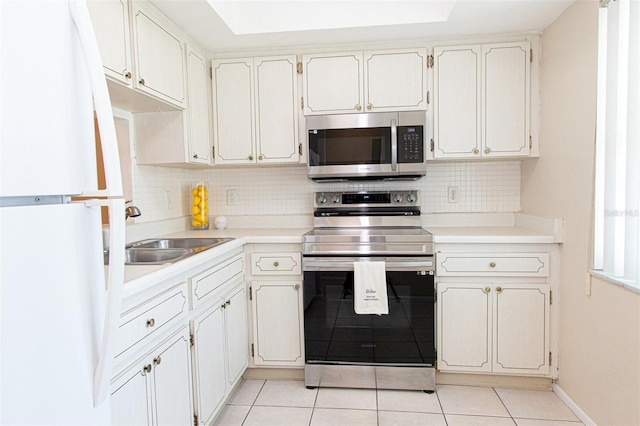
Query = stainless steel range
x=345 y=349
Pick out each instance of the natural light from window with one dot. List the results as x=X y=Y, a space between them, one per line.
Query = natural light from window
x=617 y=191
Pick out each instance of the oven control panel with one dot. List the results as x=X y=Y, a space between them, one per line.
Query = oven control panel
x=366 y=199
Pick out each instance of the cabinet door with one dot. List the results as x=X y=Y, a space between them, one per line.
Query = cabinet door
x=457 y=91
x=521 y=329
x=131 y=397
x=333 y=83
x=236 y=326
x=505 y=109
x=233 y=111
x=159 y=54
x=464 y=324
x=406 y=70
x=111 y=25
x=278 y=319
x=172 y=381
x=209 y=362
x=199 y=131
x=276 y=114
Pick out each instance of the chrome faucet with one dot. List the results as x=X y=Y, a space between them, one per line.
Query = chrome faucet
x=131 y=211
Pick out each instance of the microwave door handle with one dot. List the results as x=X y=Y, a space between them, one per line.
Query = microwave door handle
x=394 y=145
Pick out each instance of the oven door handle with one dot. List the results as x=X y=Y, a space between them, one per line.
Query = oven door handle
x=346 y=264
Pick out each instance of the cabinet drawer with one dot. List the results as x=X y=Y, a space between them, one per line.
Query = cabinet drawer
x=144 y=321
x=203 y=286
x=493 y=264
x=275 y=264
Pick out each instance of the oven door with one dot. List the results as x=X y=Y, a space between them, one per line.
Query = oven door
x=335 y=334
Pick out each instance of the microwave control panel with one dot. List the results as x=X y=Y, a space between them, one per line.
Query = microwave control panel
x=410 y=144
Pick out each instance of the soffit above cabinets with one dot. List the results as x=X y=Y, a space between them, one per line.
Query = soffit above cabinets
x=272 y=24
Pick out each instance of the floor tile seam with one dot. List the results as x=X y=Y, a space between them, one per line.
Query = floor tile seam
x=413 y=412
x=502 y=402
x=477 y=415
x=345 y=408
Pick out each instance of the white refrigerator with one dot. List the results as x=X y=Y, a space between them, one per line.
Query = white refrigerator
x=58 y=304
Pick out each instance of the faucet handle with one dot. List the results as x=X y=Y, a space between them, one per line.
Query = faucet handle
x=128 y=201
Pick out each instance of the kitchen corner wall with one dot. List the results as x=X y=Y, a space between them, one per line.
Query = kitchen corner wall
x=163 y=193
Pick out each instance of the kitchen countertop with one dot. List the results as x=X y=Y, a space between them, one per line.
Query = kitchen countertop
x=488 y=235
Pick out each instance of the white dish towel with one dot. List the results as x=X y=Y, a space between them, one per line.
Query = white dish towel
x=370 y=288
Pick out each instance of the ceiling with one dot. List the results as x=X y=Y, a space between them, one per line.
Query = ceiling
x=465 y=18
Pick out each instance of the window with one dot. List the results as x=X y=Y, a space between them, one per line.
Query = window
x=617 y=190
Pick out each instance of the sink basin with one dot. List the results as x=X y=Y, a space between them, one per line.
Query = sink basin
x=153 y=256
x=185 y=243
x=166 y=250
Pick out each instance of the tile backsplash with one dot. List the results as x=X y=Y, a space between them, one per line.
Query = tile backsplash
x=163 y=193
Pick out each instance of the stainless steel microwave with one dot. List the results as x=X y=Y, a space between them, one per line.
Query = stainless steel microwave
x=366 y=146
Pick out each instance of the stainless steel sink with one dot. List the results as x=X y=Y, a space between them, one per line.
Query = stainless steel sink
x=186 y=243
x=159 y=251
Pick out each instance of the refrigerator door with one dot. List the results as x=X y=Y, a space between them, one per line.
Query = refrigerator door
x=51 y=65
x=52 y=314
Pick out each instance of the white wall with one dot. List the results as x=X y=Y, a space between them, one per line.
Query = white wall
x=599 y=359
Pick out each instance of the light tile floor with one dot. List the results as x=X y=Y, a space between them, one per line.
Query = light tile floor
x=273 y=402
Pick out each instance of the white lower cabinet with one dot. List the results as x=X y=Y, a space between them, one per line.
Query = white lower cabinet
x=220 y=350
x=501 y=328
x=156 y=390
x=277 y=323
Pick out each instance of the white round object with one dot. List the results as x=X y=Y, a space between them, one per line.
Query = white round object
x=221 y=222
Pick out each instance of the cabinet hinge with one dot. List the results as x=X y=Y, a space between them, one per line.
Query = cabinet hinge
x=213 y=151
x=551 y=297
x=250 y=293
x=530 y=55
x=299 y=68
x=252 y=350
x=302 y=103
x=195 y=420
x=550 y=358
x=530 y=142
x=428 y=97
x=432 y=145
x=300 y=149
x=192 y=340
x=435 y=295
x=211 y=73
x=430 y=61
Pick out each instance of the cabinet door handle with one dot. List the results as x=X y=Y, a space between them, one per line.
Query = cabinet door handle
x=260 y=157
x=251 y=157
x=151 y=322
x=487 y=150
x=498 y=289
x=141 y=81
x=369 y=107
x=487 y=290
x=146 y=369
x=476 y=151
x=228 y=302
x=296 y=287
x=358 y=107
x=492 y=264
x=157 y=360
x=276 y=264
x=127 y=74
x=195 y=156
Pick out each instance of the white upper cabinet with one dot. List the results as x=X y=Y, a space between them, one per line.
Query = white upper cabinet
x=254 y=110
x=199 y=131
x=111 y=24
x=159 y=56
x=370 y=81
x=140 y=49
x=482 y=101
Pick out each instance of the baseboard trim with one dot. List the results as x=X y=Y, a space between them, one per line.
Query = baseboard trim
x=584 y=418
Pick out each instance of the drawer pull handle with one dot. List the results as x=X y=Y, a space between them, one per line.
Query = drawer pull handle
x=296 y=287
x=151 y=322
x=499 y=289
x=146 y=369
x=157 y=360
x=492 y=264
x=487 y=290
x=276 y=264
